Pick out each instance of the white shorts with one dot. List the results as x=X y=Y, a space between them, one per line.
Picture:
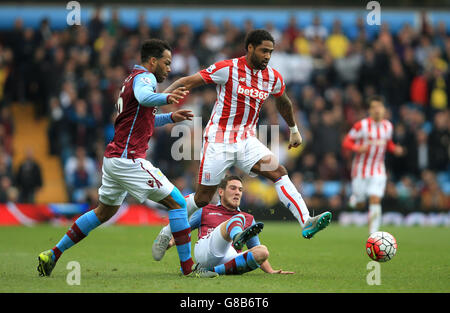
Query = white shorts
x=369 y=186
x=213 y=250
x=137 y=177
x=217 y=158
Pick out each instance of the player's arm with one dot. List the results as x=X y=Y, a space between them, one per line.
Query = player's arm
x=173 y=117
x=285 y=108
x=394 y=149
x=349 y=142
x=266 y=267
x=143 y=87
x=187 y=82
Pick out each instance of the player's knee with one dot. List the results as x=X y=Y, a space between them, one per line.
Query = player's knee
x=374 y=200
x=202 y=199
x=278 y=172
x=105 y=212
x=260 y=253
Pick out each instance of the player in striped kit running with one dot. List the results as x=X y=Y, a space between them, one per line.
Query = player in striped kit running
x=229 y=139
x=369 y=139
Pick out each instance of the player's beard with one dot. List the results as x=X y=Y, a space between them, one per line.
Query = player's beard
x=258 y=64
x=159 y=74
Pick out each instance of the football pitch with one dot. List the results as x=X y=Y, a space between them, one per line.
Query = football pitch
x=118 y=259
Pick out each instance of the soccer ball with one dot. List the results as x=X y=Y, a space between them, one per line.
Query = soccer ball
x=381 y=246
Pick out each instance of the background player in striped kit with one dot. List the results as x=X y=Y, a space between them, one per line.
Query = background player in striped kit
x=369 y=139
x=230 y=136
x=223 y=229
x=125 y=169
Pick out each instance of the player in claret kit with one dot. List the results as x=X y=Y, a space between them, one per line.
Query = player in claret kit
x=369 y=139
x=125 y=169
x=223 y=230
x=230 y=139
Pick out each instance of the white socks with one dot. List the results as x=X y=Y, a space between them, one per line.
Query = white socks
x=374 y=217
x=191 y=208
x=292 y=199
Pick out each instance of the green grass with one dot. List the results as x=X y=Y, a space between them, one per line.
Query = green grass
x=118 y=259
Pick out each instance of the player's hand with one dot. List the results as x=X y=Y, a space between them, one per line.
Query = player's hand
x=171 y=243
x=182 y=115
x=177 y=95
x=399 y=151
x=362 y=149
x=295 y=140
x=282 y=272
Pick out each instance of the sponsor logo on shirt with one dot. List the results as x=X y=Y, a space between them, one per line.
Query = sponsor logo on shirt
x=252 y=92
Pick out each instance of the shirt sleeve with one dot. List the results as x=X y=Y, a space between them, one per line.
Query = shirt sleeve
x=217 y=73
x=279 y=87
x=163 y=119
x=254 y=241
x=144 y=87
x=196 y=219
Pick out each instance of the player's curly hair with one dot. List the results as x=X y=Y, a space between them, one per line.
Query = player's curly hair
x=256 y=37
x=153 y=48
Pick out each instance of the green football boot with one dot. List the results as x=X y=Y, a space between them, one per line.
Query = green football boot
x=315 y=224
x=46 y=263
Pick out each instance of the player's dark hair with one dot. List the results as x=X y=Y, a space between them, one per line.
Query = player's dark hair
x=256 y=37
x=153 y=48
x=223 y=183
x=374 y=98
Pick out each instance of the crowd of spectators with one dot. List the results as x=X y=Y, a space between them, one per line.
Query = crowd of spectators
x=72 y=77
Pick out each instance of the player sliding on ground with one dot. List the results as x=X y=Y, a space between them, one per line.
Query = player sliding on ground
x=369 y=139
x=230 y=135
x=125 y=169
x=223 y=231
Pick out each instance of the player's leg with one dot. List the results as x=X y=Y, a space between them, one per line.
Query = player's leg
x=160 y=244
x=375 y=215
x=290 y=197
x=181 y=229
x=375 y=191
x=156 y=187
x=216 y=252
x=213 y=166
x=243 y=262
x=77 y=232
x=111 y=196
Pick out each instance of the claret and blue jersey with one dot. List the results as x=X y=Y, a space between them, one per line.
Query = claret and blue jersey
x=211 y=216
x=137 y=106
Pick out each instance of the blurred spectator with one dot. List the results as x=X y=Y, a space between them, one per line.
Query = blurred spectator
x=337 y=42
x=316 y=29
x=81 y=175
x=439 y=142
x=28 y=178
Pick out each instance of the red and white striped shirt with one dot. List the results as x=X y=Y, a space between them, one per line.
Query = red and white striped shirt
x=378 y=137
x=241 y=91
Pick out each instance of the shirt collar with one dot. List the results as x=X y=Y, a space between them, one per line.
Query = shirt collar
x=244 y=59
x=139 y=67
